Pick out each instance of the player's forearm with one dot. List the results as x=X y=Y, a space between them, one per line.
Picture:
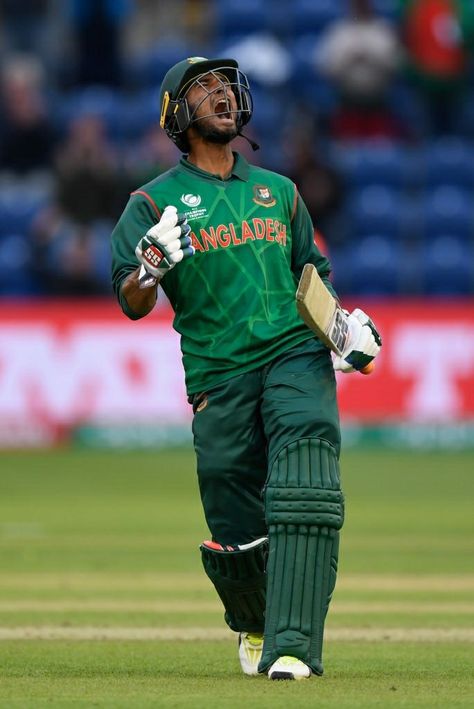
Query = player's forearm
x=139 y=300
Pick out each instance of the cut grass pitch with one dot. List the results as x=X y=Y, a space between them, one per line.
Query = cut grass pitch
x=100 y=571
x=205 y=674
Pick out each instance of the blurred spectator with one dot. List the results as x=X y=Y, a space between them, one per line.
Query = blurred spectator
x=150 y=156
x=90 y=184
x=97 y=27
x=70 y=258
x=439 y=36
x=318 y=182
x=263 y=58
x=191 y=22
x=71 y=236
x=361 y=55
x=26 y=134
x=24 y=24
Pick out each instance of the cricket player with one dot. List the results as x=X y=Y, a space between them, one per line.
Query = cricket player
x=227 y=242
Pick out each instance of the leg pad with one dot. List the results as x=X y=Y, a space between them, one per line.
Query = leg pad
x=239 y=577
x=304 y=511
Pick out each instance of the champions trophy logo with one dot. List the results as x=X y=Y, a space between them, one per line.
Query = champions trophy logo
x=191 y=200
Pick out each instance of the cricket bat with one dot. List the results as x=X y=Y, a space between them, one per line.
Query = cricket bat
x=322 y=313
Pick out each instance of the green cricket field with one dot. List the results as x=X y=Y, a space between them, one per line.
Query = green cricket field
x=103 y=601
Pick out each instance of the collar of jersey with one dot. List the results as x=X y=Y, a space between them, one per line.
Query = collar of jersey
x=240 y=169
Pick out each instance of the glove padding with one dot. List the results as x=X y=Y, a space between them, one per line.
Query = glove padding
x=363 y=343
x=165 y=244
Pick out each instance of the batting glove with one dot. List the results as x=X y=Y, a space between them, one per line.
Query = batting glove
x=164 y=245
x=363 y=343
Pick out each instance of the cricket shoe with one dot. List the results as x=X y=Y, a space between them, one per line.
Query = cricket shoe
x=250 y=652
x=288 y=667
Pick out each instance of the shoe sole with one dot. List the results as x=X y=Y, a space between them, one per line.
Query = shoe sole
x=282 y=675
x=285 y=676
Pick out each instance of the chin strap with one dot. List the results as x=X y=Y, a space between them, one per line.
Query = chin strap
x=252 y=143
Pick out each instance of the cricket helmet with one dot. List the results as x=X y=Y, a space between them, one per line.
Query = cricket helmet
x=175 y=113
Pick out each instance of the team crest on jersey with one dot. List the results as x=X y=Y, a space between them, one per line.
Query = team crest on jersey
x=191 y=200
x=263 y=195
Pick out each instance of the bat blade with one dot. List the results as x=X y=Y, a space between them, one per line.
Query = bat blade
x=321 y=311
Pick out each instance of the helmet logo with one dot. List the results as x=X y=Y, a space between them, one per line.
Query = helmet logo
x=263 y=195
x=191 y=200
x=164 y=109
x=193 y=60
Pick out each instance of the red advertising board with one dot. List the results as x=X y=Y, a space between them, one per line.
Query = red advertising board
x=64 y=363
x=425 y=371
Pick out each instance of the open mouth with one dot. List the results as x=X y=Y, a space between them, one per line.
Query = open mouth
x=221 y=109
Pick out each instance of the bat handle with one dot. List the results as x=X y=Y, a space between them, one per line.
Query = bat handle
x=368 y=369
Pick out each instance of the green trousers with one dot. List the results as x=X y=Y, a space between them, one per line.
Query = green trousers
x=240 y=426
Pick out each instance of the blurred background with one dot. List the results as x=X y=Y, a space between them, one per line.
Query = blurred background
x=368 y=105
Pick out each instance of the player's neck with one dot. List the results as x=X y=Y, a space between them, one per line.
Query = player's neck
x=213 y=158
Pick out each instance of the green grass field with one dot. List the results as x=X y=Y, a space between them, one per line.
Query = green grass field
x=103 y=602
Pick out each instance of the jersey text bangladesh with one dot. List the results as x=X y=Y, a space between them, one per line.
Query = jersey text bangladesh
x=234 y=301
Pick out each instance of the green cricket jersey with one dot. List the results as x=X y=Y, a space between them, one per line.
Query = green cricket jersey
x=234 y=300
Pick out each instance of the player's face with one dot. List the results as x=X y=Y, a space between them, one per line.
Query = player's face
x=213 y=108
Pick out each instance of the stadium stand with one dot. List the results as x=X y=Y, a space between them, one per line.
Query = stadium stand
x=447 y=266
x=406 y=200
